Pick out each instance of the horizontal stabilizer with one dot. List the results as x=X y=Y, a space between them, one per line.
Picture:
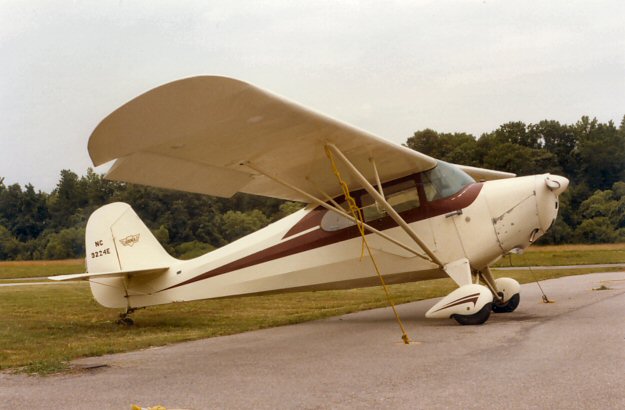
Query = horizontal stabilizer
x=116 y=274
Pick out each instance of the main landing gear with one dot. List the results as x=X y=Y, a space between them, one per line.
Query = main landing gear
x=509 y=297
x=472 y=303
x=467 y=305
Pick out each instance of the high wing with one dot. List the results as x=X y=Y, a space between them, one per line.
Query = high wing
x=198 y=135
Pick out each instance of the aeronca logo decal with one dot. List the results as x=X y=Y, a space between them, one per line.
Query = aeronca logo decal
x=130 y=240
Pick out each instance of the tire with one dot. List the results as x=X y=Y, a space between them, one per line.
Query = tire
x=509 y=306
x=476 y=318
x=125 y=321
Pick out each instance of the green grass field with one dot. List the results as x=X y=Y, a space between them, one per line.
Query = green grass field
x=563 y=255
x=42 y=328
x=31 y=269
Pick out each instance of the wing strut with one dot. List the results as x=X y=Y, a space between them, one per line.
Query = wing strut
x=382 y=201
x=377 y=176
x=339 y=211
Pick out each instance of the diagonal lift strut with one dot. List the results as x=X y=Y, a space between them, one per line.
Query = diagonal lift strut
x=335 y=209
x=382 y=201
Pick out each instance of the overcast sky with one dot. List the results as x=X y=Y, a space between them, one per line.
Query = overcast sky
x=390 y=68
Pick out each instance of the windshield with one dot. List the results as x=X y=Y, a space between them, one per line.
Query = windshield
x=444 y=180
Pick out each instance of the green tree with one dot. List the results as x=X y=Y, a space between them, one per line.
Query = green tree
x=519 y=159
x=66 y=201
x=193 y=249
x=287 y=208
x=600 y=152
x=601 y=203
x=597 y=230
x=237 y=224
x=98 y=191
x=602 y=217
x=68 y=243
x=559 y=233
x=560 y=140
x=456 y=148
x=9 y=246
x=517 y=133
x=10 y=205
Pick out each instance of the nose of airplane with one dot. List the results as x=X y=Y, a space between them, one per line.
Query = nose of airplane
x=547 y=199
x=556 y=184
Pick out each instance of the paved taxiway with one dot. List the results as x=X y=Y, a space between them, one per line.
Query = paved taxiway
x=565 y=355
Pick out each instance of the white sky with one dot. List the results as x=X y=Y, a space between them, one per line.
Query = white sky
x=389 y=67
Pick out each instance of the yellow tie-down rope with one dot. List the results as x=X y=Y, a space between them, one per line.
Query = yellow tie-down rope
x=357 y=214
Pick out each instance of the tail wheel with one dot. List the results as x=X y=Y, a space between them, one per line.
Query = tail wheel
x=125 y=321
x=508 y=306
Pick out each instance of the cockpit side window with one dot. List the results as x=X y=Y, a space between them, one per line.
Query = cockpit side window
x=443 y=181
x=332 y=221
x=402 y=197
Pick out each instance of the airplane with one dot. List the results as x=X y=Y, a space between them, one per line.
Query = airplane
x=421 y=218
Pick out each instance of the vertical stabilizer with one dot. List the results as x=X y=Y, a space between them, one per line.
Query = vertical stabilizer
x=116 y=240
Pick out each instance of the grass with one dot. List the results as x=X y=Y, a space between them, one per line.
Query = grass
x=42 y=328
x=563 y=255
x=31 y=269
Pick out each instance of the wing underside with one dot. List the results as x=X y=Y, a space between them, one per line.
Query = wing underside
x=199 y=134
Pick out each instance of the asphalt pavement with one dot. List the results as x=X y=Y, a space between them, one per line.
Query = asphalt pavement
x=564 y=355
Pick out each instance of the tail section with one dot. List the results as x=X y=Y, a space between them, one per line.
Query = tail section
x=118 y=241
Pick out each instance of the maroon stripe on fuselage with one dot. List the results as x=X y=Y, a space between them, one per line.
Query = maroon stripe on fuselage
x=319 y=237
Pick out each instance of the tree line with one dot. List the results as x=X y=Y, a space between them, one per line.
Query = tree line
x=589 y=153
x=40 y=225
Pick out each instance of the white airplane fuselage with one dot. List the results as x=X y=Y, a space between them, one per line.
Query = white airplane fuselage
x=315 y=249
